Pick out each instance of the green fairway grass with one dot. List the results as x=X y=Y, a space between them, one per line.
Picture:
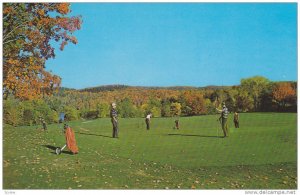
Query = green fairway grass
x=262 y=153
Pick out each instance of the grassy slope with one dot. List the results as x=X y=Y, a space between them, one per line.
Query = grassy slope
x=261 y=154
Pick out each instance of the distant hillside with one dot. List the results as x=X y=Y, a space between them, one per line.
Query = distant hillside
x=118 y=87
x=104 y=88
x=66 y=89
x=61 y=90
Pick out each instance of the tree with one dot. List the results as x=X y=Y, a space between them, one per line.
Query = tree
x=244 y=102
x=155 y=111
x=41 y=109
x=70 y=113
x=153 y=106
x=193 y=100
x=210 y=107
x=12 y=112
x=186 y=110
x=28 y=30
x=282 y=92
x=267 y=102
x=175 y=109
x=103 y=110
x=255 y=86
x=165 y=108
x=126 y=109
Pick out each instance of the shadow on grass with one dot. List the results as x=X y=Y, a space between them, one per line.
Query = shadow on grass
x=210 y=136
x=53 y=148
x=94 y=134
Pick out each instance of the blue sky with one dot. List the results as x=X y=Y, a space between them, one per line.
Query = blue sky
x=179 y=44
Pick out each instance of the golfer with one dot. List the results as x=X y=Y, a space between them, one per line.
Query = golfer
x=236 y=120
x=114 y=120
x=147 y=120
x=43 y=123
x=224 y=116
x=176 y=124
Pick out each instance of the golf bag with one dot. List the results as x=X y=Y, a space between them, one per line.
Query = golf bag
x=70 y=141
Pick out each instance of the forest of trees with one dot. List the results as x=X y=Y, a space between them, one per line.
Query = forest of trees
x=31 y=92
x=255 y=94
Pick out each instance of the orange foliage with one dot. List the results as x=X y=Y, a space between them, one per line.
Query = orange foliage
x=63 y=8
x=282 y=91
x=195 y=100
x=27 y=32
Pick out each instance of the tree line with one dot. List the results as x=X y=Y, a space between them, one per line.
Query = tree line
x=30 y=32
x=255 y=94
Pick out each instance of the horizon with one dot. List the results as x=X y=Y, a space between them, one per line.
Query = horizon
x=179 y=44
x=171 y=86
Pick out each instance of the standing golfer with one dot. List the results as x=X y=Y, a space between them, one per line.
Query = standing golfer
x=148 y=120
x=114 y=120
x=176 y=124
x=236 y=120
x=43 y=123
x=224 y=116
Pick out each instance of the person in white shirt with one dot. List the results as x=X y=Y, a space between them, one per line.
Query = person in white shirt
x=148 y=120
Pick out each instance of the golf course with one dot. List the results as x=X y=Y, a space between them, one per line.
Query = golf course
x=261 y=154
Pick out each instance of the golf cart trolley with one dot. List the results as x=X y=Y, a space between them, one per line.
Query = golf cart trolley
x=59 y=150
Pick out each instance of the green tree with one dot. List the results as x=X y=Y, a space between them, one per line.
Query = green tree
x=156 y=112
x=210 y=107
x=12 y=111
x=153 y=106
x=244 y=102
x=175 y=109
x=125 y=108
x=103 y=109
x=70 y=113
x=166 y=108
x=28 y=113
x=255 y=86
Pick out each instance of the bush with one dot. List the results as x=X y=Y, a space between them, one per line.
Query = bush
x=91 y=114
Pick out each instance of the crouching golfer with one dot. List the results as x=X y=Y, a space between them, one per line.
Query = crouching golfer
x=224 y=115
x=114 y=120
x=70 y=139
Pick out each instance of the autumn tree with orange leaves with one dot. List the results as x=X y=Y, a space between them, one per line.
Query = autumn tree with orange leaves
x=282 y=93
x=28 y=29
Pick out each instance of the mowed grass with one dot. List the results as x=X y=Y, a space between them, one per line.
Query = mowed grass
x=262 y=153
